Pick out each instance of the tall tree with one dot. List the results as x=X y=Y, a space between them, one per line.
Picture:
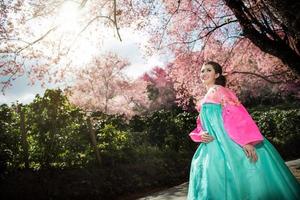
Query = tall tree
x=272 y=25
x=247 y=70
x=45 y=39
x=100 y=84
x=37 y=40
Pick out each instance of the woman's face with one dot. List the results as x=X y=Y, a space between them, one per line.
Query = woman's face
x=208 y=75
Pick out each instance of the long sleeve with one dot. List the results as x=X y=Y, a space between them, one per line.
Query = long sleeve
x=196 y=133
x=238 y=123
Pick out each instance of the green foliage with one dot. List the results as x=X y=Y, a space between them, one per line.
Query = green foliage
x=9 y=137
x=168 y=129
x=102 y=119
x=111 y=139
x=146 y=151
x=282 y=128
x=56 y=132
x=137 y=123
x=268 y=97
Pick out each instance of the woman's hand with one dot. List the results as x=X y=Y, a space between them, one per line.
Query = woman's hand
x=206 y=138
x=250 y=152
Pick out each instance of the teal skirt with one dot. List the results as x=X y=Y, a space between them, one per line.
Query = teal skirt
x=221 y=170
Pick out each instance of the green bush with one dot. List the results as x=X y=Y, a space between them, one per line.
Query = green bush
x=56 y=132
x=168 y=130
x=282 y=128
x=10 y=156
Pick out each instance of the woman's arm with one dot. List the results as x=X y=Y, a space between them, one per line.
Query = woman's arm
x=197 y=132
x=237 y=121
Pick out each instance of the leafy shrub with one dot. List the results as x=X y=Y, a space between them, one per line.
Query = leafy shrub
x=282 y=128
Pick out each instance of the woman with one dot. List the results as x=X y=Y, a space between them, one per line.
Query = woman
x=234 y=161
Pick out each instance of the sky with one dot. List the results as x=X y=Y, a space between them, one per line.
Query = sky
x=128 y=48
x=23 y=92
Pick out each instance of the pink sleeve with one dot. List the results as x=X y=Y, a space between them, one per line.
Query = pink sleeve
x=238 y=123
x=196 y=133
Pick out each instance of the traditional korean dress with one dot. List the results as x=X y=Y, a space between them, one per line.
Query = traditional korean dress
x=220 y=169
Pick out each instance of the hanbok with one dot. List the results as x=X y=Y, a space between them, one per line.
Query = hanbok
x=220 y=170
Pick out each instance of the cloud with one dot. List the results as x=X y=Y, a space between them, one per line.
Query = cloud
x=13 y=98
x=21 y=91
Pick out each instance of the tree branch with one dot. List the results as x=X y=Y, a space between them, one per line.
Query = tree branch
x=258 y=75
x=276 y=48
x=166 y=25
x=115 y=19
x=206 y=34
x=37 y=40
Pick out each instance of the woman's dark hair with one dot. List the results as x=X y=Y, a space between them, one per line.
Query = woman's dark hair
x=221 y=80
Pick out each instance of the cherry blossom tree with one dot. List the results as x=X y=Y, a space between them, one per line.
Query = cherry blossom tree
x=36 y=33
x=257 y=42
x=249 y=38
x=99 y=84
x=44 y=39
x=160 y=89
x=185 y=25
x=243 y=71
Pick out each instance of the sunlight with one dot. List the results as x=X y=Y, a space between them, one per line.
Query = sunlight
x=68 y=17
x=81 y=47
x=83 y=52
x=85 y=43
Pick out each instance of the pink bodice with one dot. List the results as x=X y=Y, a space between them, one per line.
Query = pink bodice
x=238 y=123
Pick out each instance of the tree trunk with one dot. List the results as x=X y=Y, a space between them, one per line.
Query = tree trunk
x=24 y=137
x=287 y=13
x=93 y=140
x=258 y=34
